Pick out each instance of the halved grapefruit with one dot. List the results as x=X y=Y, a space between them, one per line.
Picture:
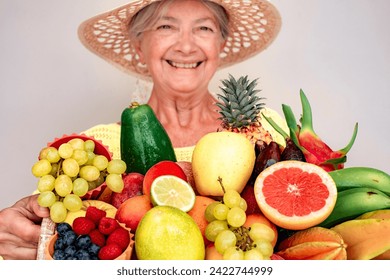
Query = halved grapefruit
x=295 y=195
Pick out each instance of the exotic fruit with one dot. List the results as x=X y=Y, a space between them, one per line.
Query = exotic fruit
x=221 y=161
x=314 y=149
x=144 y=141
x=366 y=238
x=315 y=243
x=240 y=109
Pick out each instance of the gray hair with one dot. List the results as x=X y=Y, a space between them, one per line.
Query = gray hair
x=149 y=15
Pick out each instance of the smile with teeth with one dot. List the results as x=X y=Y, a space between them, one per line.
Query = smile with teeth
x=183 y=65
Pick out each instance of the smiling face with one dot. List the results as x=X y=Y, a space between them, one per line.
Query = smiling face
x=182 y=48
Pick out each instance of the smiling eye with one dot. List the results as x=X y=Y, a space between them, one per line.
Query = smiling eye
x=206 y=28
x=164 y=26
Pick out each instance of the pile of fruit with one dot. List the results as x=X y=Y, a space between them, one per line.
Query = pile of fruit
x=91 y=237
x=242 y=197
x=233 y=238
x=68 y=172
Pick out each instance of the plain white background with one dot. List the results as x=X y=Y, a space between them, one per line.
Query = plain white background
x=337 y=51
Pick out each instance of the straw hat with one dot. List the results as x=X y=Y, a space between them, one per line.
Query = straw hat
x=254 y=24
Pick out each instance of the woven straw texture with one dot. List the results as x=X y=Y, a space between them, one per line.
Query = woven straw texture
x=110 y=135
x=254 y=24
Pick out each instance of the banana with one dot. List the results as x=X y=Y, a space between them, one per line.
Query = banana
x=354 y=202
x=366 y=238
x=355 y=177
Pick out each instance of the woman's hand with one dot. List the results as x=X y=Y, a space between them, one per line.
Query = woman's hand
x=20 y=229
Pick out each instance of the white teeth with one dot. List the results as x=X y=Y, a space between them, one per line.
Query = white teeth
x=183 y=65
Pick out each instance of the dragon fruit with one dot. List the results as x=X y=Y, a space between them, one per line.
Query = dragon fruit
x=311 y=145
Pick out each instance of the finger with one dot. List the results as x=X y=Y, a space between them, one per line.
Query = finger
x=20 y=253
x=20 y=226
x=13 y=247
x=31 y=209
x=27 y=230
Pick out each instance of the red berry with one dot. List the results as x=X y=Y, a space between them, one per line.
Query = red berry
x=119 y=236
x=97 y=237
x=82 y=225
x=132 y=187
x=95 y=214
x=107 y=225
x=109 y=252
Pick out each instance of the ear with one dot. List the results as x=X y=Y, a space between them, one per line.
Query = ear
x=138 y=50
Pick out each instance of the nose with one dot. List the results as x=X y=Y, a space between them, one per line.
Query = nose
x=186 y=42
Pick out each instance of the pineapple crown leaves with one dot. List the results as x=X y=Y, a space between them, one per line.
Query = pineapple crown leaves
x=240 y=106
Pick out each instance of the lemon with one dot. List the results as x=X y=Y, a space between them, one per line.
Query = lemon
x=170 y=190
x=167 y=233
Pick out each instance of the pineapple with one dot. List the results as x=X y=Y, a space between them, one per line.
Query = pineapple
x=240 y=109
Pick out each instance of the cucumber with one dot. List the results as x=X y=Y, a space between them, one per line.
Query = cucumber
x=144 y=141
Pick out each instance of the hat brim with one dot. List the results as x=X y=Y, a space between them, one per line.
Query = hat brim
x=254 y=24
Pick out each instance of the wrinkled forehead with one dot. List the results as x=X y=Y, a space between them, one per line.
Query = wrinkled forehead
x=148 y=16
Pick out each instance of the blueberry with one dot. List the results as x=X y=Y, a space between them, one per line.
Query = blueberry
x=62 y=228
x=83 y=242
x=70 y=251
x=60 y=244
x=69 y=237
x=82 y=254
x=93 y=249
x=59 y=255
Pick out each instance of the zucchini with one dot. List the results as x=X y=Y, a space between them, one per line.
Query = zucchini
x=144 y=141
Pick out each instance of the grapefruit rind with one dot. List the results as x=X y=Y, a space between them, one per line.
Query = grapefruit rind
x=293 y=221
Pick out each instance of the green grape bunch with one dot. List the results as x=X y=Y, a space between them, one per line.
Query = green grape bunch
x=231 y=238
x=66 y=174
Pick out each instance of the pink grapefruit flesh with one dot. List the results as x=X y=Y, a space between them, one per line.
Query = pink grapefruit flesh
x=295 y=195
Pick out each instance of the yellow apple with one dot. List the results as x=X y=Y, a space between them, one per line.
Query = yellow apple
x=222 y=159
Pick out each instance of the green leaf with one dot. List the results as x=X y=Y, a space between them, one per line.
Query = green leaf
x=307 y=119
x=346 y=149
x=276 y=127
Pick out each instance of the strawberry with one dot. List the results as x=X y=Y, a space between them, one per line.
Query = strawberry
x=107 y=225
x=109 y=252
x=83 y=225
x=95 y=214
x=119 y=236
x=97 y=237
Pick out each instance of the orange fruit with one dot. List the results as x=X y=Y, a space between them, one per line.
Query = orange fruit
x=165 y=167
x=197 y=213
x=295 y=195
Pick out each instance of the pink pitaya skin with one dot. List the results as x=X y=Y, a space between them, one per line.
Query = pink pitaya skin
x=314 y=149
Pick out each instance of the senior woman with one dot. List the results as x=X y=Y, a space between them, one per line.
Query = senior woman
x=178 y=45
